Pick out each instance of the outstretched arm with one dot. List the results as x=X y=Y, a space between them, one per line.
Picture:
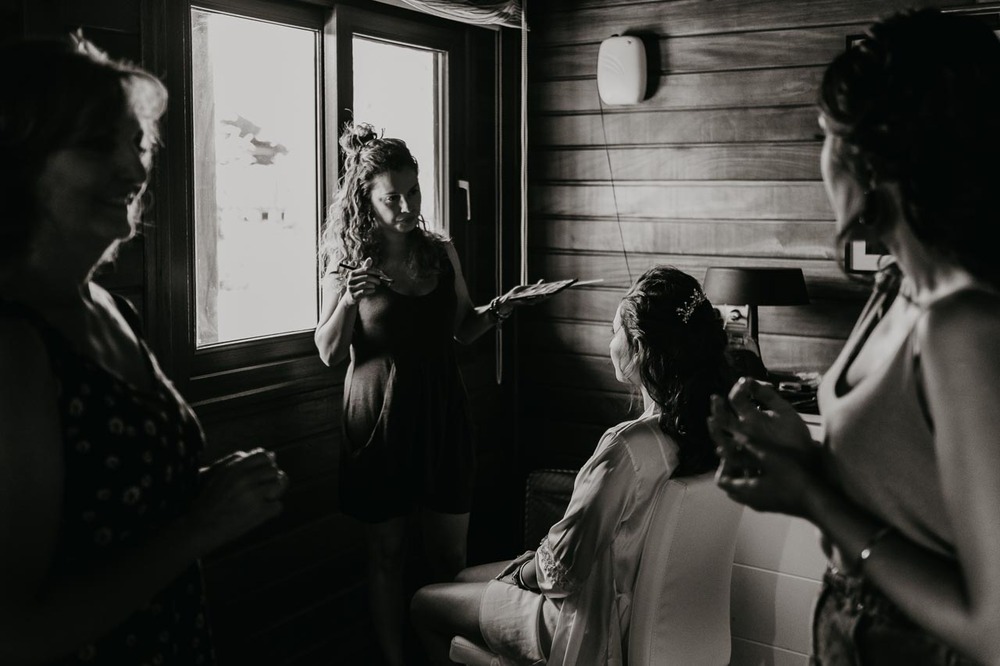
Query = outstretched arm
x=470 y=321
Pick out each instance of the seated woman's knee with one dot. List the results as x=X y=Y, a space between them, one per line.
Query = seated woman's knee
x=426 y=607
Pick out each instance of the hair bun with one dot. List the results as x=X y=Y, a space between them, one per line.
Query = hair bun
x=355 y=137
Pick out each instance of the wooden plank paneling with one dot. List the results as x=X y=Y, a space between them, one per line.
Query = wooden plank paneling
x=639 y=126
x=564 y=444
x=572 y=370
x=819 y=318
x=592 y=339
x=794 y=239
x=234 y=426
x=600 y=408
x=763 y=87
x=702 y=162
x=823 y=278
x=755 y=50
x=595 y=20
x=719 y=167
x=685 y=199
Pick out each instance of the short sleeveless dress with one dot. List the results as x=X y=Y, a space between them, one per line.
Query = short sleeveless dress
x=407 y=434
x=131 y=464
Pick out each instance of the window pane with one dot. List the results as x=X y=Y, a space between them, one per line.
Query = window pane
x=398 y=88
x=255 y=177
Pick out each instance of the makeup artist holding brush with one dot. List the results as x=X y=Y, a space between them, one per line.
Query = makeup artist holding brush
x=395 y=301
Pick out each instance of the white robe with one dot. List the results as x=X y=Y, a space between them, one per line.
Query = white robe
x=588 y=561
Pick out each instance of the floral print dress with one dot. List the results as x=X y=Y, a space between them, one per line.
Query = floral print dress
x=131 y=462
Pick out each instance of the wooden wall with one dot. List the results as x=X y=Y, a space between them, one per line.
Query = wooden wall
x=718 y=166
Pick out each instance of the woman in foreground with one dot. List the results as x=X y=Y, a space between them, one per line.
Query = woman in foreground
x=104 y=510
x=906 y=484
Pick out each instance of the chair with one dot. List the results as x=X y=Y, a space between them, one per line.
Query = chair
x=680 y=604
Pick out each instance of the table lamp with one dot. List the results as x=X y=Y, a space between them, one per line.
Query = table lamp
x=752 y=287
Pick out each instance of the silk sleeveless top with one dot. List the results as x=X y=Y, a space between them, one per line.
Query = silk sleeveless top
x=879 y=438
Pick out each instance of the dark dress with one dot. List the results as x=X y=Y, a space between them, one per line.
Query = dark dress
x=131 y=464
x=407 y=433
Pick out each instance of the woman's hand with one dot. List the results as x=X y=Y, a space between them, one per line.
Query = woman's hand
x=507 y=575
x=240 y=492
x=768 y=459
x=361 y=282
x=755 y=413
x=776 y=480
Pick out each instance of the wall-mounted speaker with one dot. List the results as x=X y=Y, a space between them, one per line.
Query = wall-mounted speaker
x=621 y=70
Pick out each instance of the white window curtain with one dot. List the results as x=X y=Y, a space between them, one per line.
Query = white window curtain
x=506 y=13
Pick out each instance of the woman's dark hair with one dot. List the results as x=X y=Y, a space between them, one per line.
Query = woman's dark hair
x=679 y=345
x=917 y=103
x=58 y=94
x=351 y=232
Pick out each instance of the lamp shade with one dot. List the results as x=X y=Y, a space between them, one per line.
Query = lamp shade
x=756 y=286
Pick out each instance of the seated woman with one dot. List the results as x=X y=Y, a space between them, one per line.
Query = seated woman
x=569 y=602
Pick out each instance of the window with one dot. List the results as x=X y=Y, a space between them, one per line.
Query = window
x=386 y=73
x=256 y=177
x=260 y=90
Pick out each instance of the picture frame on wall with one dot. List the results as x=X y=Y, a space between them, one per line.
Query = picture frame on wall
x=865 y=256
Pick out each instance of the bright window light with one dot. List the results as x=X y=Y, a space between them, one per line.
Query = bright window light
x=399 y=89
x=256 y=177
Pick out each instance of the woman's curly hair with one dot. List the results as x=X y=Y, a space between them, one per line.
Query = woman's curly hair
x=58 y=94
x=916 y=103
x=351 y=232
x=679 y=344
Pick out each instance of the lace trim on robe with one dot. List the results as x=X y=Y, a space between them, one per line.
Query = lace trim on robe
x=554 y=570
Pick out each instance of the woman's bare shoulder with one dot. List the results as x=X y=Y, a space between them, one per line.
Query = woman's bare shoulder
x=966 y=314
x=960 y=335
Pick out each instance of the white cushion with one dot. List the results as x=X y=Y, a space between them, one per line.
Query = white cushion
x=680 y=605
x=464 y=651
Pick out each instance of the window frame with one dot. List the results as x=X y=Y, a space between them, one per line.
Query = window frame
x=230 y=367
x=348 y=21
x=284 y=362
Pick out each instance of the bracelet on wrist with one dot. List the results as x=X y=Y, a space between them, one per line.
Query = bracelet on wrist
x=519 y=578
x=494 y=309
x=869 y=547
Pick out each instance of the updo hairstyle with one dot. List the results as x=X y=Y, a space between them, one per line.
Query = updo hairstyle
x=679 y=344
x=352 y=233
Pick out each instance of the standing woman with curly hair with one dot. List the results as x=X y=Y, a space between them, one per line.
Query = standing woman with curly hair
x=568 y=602
x=395 y=301
x=906 y=483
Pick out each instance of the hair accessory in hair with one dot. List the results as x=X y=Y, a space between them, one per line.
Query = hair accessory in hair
x=697 y=298
x=83 y=45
